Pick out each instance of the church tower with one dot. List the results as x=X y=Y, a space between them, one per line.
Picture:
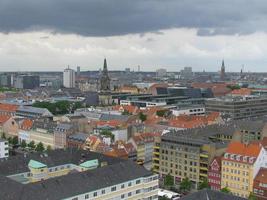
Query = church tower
x=105 y=80
x=223 y=71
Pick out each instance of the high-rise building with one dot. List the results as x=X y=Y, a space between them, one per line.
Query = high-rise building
x=69 y=78
x=223 y=71
x=27 y=82
x=78 y=71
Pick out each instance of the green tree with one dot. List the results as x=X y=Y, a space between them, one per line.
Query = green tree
x=161 y=113
x=3 y=136
x=125 y=112
x=40 y=147
x=48 y=148
x=31 y=145
x=252 y=197
x=226 y=190
x=23 y=144
x=142 y=117
x=9 y=139
x=15 y=140
x=185 y=185
x=168 y=181
x=204 y=184
x=107 y=133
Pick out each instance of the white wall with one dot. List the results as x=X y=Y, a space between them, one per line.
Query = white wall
x=3 y=149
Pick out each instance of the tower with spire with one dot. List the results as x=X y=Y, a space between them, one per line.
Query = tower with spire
x=222 y=71
x=105 y=80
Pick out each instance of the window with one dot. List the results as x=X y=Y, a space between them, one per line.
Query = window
x=95 y=194
x=86 y=196
x=122 y=196
x=113 y=189
x=129 y=184
x=137 y=191
x=138 y=182
x=129 y=194
x=103 y=192
x=122 y=186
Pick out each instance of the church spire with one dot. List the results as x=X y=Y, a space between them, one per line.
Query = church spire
x=223 y=71
x=105 y=80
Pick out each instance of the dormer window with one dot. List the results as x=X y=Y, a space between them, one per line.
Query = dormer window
x=232 y=156
x=245 y=159
x=226 y=155
x=238 y=157
x=251 y=160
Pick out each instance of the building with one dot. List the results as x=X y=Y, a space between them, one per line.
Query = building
x=160 y=73
x=104 y=79
x=260 y=184
x=214 y=174
x=61 y=134
x=33 y=112
x=207 y=194
x=27 y=82
x=186 y=73
x=240 y=165
x=8 y=109
x=222 y=74
x=69 y=78
x=5 y=80
x=238 y=107
x=188 y=153
x=190 y=110
x=73 y=174
x=4 y=152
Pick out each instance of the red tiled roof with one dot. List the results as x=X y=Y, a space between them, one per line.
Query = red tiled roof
x=238 y=148
x=241 y=92
x=261 y=177
x=26 y=124
x=8 y=107
x=113 y=123
x=4 y=118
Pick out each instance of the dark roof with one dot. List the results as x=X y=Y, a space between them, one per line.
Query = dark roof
x=72 y=184
x=207 y=194
x=19 y=163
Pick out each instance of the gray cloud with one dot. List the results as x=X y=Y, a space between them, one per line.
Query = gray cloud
x=120 y=17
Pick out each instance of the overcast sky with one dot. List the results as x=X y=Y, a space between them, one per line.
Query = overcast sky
x=42 y=35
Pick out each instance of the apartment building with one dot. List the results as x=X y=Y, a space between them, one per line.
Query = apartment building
x=3 y=148
x=260 y=184
x=240 y=165
x=188 y=153
x=238 y=107
x=214 y=174
x=75 y=175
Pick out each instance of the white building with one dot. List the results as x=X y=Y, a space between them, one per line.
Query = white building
x=196 y=110
x=3 y=148
x=69 y=78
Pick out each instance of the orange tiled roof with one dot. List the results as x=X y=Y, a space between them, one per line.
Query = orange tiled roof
x=261 y=177
x=8 y=107
x=129 y=108
x=113 y=123
x=4 y=118
x=241 y=92
x=26 y=124
x=251 y=150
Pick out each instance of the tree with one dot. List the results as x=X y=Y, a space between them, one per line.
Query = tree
x=161 y=113
x=225 y=190
x=3 y=136
x=107 y=133
x=252 y=197
x=48 y=148
x=142 y=117
x=9 y=139
x=168 y=181
x=15 y=140
x=23 y=144
x=31 y=145
x=40 y=147
x=185 y=185
x=204 y=184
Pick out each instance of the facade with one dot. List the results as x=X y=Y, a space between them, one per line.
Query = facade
x=27 y=82
x=188 y=153
x=61 y=133
x=238 y=107
x=240 y=165
x=214 y=174
x=3 y=148
x=194 y=110
x=5 y=80
x=260 y=184
x=69 y=78
x=80 y=174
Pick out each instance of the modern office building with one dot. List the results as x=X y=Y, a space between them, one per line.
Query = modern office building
x=27 y=82
x=3 y=148
x=69 y=78
x=73 y=174
x=5 y=80
x=240 y=165
x=238 y=107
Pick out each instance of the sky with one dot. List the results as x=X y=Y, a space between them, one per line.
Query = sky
x=49 y=35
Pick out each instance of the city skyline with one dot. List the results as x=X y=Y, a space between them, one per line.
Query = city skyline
x=152 y=34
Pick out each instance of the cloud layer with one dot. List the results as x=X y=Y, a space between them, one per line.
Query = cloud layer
x=120 y=17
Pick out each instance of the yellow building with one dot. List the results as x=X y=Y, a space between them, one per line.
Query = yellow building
x=240 y=164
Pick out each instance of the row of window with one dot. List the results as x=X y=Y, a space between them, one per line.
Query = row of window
x=235 y=171
x=235 y=164
x=214 y=174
